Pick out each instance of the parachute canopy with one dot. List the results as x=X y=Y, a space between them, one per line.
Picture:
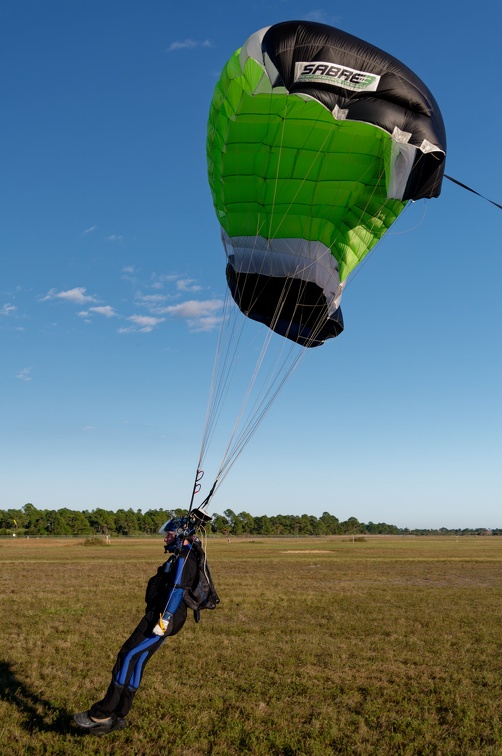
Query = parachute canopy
x=316 y=142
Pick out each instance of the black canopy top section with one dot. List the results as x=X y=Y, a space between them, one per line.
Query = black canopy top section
x=368 y=84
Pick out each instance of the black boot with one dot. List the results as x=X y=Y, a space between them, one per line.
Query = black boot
x=111 y=724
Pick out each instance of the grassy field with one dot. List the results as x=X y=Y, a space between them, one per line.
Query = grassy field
x=319 y=646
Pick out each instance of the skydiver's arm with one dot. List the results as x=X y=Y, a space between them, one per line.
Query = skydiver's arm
x=186 y=571
x=157 y=584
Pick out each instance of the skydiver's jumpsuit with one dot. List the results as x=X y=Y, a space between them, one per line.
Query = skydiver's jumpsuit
x=142 y=644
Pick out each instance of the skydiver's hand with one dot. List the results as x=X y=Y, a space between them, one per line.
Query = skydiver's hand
x=163 y=624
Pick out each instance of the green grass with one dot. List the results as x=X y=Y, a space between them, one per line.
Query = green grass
x=319 y=646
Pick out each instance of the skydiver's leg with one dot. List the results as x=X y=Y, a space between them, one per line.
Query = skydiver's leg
x=130 y=665
x=117 y=696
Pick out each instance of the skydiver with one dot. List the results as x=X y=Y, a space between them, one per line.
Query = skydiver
x=167 y=595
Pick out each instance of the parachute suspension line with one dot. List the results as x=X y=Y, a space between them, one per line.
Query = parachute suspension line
x=344 y=219
x=277 y=376
x=230 y=335
x=246 y=399
x=316 y=156
x=261 y=223
x=271 y=236
x=251 y=385
x=218 y=388
x=258 y=417
x=242 y=432
x=367 y=257
x=363 y=210
x=391 y=232
x=364 y=261
x=276 y=182
x=223 y=372
x=215 y=386
x=316 y=328
x=273 y=383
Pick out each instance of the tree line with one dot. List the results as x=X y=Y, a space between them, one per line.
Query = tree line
x=30 y=521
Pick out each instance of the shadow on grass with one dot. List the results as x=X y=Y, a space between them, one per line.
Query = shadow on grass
x=40 y=715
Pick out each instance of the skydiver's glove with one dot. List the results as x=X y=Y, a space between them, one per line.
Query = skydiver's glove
x=163 y=625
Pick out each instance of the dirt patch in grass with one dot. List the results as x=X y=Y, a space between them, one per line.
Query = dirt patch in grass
x=308 y=551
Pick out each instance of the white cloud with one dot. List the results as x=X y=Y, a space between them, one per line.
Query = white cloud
x=145 y=320
x=24 y=374
x=159 y=281
x=205 y=323
x=200 y=315
x=142 y=324
x=8 y=309
x=76 y=296
x=187 y=284
x=194 y=308
x=106 y=310
x=189 y=44
x=114 y=237
x=129 y=273
x=90 y=229
x=149 y=300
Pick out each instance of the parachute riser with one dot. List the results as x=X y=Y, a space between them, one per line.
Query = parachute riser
x=196 y=488
x=209 y=496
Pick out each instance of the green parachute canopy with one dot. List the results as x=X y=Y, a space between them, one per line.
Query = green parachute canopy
x=316 y=142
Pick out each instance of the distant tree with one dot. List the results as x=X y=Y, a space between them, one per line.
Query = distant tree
x=12 y=520
x=35 y=520
x=220 y=524
x=305 y=525
x=287 y=524
x=60 y=524
x=331 y=523
x=102 y=520
x=235 y=523
x=351 y=526
x=263 y=525
x=126 y=522
x=65 y=521
x=247 y=522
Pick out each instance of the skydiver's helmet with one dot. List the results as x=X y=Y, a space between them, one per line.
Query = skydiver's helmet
x=183 y=527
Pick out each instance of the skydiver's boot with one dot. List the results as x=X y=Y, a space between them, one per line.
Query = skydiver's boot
x=102 y=727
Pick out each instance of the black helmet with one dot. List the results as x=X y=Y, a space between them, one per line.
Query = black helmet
x=184 y=527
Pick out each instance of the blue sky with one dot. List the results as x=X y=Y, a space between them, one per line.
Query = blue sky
x=112 y=278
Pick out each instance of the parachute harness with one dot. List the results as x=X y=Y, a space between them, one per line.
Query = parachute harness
x=205 y=594
x=274 y=369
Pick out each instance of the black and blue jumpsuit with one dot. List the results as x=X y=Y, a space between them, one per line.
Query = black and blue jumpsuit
x=142 y=644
